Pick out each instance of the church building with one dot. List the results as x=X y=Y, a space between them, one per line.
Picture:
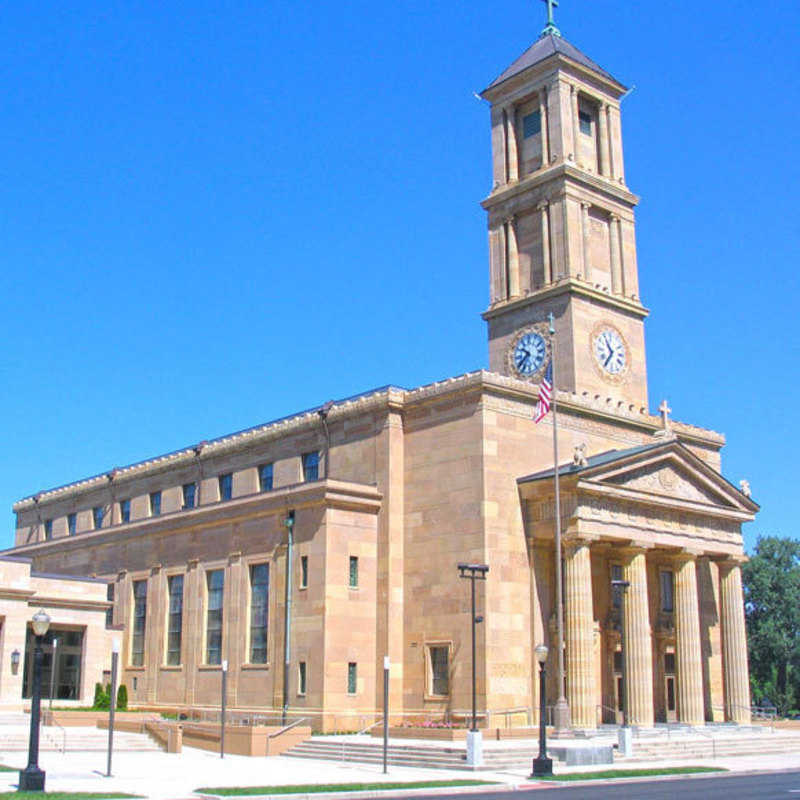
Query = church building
x=302 y=551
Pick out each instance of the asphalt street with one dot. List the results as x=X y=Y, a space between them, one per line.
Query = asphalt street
x=767 y=786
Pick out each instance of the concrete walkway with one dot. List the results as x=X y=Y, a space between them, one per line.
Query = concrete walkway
x=172 y=777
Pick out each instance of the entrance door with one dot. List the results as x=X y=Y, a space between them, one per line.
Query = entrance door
x=619 y=686
x=63 y=673
x=669 y=687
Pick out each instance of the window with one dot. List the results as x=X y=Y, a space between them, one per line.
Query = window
x=225 y=486
x=616 y=594
x=72 y=524
x=259 y=612
x=667 y=586
x=215 y=583
x=155 y=504
x=189 y=492
x=48 y=529
x=174 y=619
x=311 y=466
x=110 y=610
x=352 y=677
x=301 y=678
x=265 y=478
x=98 y=512
x=531 y=125
x=585 y=122
x=139 y=622
x=669 y=663
x=125 y=510
x=303 y=572
x=618 y=661
x=354 y=572
x=439 y=677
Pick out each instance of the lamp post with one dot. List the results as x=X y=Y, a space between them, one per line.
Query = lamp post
x=287 y=612
x=113 y=704
x=53 y=661
x=474 y=572
x=31 y=779
x=14 y=660
x=222 y=707
x=542 y=765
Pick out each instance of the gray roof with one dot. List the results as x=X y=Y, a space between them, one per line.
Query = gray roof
x=544 y=47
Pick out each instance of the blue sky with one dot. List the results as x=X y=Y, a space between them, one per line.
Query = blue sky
x=218 y=214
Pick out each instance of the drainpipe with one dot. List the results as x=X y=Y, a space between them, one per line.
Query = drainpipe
x=323 y=415
x=287 y=612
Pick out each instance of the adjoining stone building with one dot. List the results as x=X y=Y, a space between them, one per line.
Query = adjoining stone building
x=390 y=489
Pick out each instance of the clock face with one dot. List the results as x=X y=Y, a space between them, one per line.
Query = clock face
x=529 y=353
x=610 y=351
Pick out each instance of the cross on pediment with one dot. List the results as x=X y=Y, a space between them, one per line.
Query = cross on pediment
x=665 y=411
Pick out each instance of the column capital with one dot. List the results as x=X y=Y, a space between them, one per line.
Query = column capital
x=614 y=217
x=155 y=569
x=679 y=557
x=632 y=548
x=585 y=204
x=543 y=206
x=730 y=561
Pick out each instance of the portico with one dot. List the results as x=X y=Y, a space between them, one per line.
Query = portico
x=658 y=517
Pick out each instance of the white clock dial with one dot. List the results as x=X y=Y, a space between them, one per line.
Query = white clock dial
x=610 y=351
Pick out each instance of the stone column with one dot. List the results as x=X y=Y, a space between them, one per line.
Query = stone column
x=576 y=140
x=616 y=260
x=513 y=257
x=734 y=643
x=688 y=652
x=578 y=635
x=616 y=144
x=587 y=267
x=638 y=643
x=602 y=155
x=611 y=165
x=546 y=261
x=545 y=127
x=618 y=233
x=511 y=143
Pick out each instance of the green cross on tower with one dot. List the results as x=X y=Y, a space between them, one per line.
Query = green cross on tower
x=550 y=28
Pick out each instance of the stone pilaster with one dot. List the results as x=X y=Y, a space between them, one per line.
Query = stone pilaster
x=616 y=257
x=638 y=644
x=578 y=635
x=602 y=155
x=734 y=644
x=576 y=139
x=611 y=160
x=546 y=261
x=545 y=127
x=512 y=157
x=587 y=266
x=688 y=651
x=513 y=257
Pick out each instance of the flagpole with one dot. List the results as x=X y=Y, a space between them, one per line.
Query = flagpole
x=561 y=715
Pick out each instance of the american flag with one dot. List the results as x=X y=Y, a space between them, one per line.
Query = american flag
x=545 y=393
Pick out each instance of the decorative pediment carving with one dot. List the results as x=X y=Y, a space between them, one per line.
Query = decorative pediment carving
x=669 y=480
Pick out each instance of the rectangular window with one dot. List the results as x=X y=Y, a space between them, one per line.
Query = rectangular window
x=301 y=678
x=352 y=677
x=531 y=125
x=667 y=586
x=225 y=486
x=616 y=594
x=139 y=622
x=48 y=529
x=189 y=492
x=72 y=524
x=311 y=466
x=98 y=512
x=155 y=504
x=618 y=661
x=110 y=611
x=174 y=619
x=585 y=122
x=669 y=663
x=303 y=572
x=125 y=510
x=440 y=670
x=215 y=583
x=353 y=572
x=265 y=478
x=259 y=612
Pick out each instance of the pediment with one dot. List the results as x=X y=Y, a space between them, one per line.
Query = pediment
x=669 y=480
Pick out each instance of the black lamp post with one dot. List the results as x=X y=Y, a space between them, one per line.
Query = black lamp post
x=622 y=588
x=31 y=779
x=542 y=765
x=475 y=572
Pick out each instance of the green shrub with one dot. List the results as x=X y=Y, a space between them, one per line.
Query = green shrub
x=122 y=698
x=101 y=698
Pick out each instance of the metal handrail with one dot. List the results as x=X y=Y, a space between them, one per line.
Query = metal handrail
x=285 y=728
x=360 y=733
x=63 y=730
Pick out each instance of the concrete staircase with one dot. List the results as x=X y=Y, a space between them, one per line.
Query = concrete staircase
x=14 y=738
x=692 y=746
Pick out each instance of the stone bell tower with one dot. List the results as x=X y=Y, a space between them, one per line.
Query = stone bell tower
x=561 y=226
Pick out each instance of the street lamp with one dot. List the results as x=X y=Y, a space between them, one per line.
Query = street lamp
x=542 y=765
x=113 y=704
x=53 y=662
x=31 y=779
x=288 y=521
x=14 y=660
x=474 y=572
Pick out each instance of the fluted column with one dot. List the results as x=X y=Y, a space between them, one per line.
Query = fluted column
x=545 y=135
x=576 y=140
x=511 y=143
x=578 y=633
x=546 y=262
x=602 y=156
x=688 y=652
x=587 y=266
x=616 y=259
x=734 y=643
x=513 y=257
x=638 y=645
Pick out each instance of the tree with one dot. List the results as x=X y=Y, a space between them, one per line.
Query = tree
x=771 y=581
x=101 y=699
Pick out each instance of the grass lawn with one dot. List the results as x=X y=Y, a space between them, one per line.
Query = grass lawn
x=630 y=773
x=4 y=768
x=309 y=788
x=64 y=795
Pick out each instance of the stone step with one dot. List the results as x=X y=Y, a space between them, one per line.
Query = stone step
x=76 y=739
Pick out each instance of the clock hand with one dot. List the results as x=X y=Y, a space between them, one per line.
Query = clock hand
x=610 y=354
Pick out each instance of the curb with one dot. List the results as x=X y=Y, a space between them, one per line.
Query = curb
x=375 y=793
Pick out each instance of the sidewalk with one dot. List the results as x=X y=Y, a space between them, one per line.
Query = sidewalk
x=162 y=776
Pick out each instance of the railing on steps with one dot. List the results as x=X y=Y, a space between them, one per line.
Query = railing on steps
x=63 y=734
x=284 y=729
x=360 y=733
